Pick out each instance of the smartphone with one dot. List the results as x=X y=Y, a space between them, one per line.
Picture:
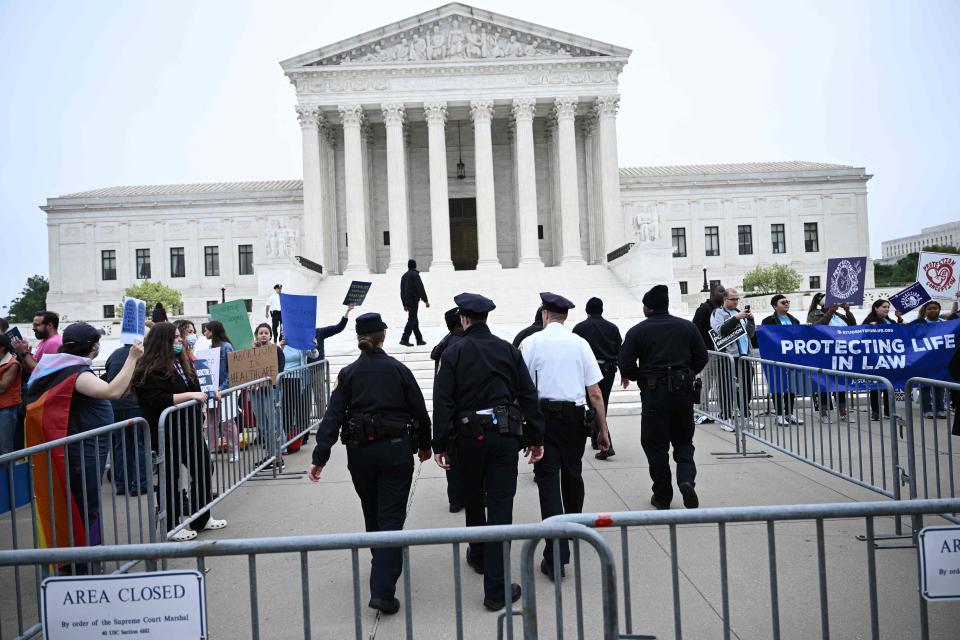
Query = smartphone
x=747 y=308
x=12 y=333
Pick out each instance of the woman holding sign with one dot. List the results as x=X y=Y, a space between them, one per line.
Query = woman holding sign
x=880 y=314
x=221 y=420
x=931 y=398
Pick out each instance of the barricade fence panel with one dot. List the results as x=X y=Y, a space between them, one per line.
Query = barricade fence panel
x=932 y=424
x=719 y=380
x=56 y=495
x=301 y=399
x=702 y=572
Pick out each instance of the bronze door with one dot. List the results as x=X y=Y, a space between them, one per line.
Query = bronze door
x=463 y=233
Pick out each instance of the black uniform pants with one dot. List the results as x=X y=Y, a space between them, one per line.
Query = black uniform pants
x=413 y=323
x=559 y=473
x=454 y=486
x=667 y=419
x=382 y=472
x=275 y=320
x=491 y=464
x=606 y=386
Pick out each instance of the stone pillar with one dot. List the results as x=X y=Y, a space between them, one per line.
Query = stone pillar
x=611 y=213
x=566 y=109
x=393 y=115
x=314 y=239
x=528 y=244
x=328 y=143
x=353 y=171
x=436 y=114
x=482 y=113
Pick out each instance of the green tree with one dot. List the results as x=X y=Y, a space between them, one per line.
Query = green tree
x=777 y=278
x=152 y=293
x=903 y=272
x=33 y=298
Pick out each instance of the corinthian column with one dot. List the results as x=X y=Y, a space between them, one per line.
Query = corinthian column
x=393 y=115
x=436 y=114
x=482 y=113
x=314 y=240
x=351 y=116
x=566 y=109
x=523 y=110
x=611 y=215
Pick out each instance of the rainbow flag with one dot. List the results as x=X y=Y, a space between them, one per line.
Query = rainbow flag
x=49 y=393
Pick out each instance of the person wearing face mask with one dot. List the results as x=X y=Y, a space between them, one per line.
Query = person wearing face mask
x=165 y=377
x=188 y=331
x=65 y=379
x=129 y=466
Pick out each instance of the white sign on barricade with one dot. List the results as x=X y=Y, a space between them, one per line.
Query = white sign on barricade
x=163 y=604
x=940 y=563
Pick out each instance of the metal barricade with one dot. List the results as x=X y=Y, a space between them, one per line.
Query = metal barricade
x=721 y=402
x=70 y=506
x=302 y=395
x=808 y=532
x=935 y=465
x=219 y=444
x=304 y=548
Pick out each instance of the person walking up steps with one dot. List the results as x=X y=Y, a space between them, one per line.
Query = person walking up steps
x=411 y=293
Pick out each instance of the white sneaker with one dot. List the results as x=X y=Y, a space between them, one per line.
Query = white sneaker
x=794 y=419
x=727 y=427
x=184 y=535
x=783 y=421
x=234 y=458
x=213 y=523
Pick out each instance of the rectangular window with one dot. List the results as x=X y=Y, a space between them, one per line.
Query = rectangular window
x=811 y=237
x=679 y=237
x=814 y=282
x=210 y=303
x=211 y=261
x=245 y=266
x=178 y=268
x=249 y=303
x=745 y=239
x=386 y=238
x=143 y=264
x=539 y=232
x=108 y=265
x=778 y=236
x=714 y=284
x=711 y=238
x=683 y=287
x=109 y=311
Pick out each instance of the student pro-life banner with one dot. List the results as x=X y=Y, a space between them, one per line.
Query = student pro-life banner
x=896 y=352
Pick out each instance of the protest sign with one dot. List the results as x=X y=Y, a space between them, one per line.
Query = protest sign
x=845 y=277
x=252 y=364
x=235 y=321
x=134 y=323
x=299 y=320
x=722 y=342
x=207 y=366
x=910 y=298
x=13 y=333
x=896 y=352
x=357 y=293
x=938 y=274
x=161 y=604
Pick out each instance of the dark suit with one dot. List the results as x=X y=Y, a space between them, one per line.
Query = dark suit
x=411 y=293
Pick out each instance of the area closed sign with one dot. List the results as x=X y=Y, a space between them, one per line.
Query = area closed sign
x=163 y=604
x=940 y=563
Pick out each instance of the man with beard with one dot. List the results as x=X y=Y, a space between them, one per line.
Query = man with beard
x=45 y=328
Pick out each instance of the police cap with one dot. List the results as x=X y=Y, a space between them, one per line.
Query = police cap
x=474 y=305
x=369 y=323
x=555 y=303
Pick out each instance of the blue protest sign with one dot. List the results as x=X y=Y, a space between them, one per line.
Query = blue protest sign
x=910 y=298
x=896 y=352
x=299 y=320
x=134 y=320
x=845 y=277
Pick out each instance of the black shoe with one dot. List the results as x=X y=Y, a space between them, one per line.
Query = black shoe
x=546 y=568
x=455 y=508
x=595 y=446
x=406 y=344
x=476 y=564
x=603 y=455
x=420 y=343
x=388 y=606
x=875 y=417
x=690 y=499
x=658 y=503
x=496 y=605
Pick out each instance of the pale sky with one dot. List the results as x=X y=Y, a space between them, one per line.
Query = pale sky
x=100 y=93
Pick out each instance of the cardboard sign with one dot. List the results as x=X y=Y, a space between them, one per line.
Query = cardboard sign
x=299 y=315
x=252 y=364
x=940 y=563
x=134 y=320
x=207 y=366
x=939 y=274
x=163 y=604
x=357 y=293
x=845 y=277
x=722 y=342
x=235 y=321
x=910 y=298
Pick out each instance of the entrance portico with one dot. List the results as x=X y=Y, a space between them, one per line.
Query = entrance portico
x=386 y=117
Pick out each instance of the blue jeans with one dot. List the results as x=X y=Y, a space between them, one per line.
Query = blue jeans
x=129 y=459
x=8 y=429
x=86 y=465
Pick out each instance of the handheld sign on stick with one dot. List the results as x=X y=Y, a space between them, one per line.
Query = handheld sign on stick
x=939 y=274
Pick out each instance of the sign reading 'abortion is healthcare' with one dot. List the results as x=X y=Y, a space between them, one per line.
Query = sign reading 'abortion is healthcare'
x=896 y=352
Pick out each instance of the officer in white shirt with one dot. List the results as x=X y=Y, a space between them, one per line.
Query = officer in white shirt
x=273 y=309
x=564 y=371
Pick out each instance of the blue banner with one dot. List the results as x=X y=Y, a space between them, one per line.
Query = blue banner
x=896 y=352
x=299 y=315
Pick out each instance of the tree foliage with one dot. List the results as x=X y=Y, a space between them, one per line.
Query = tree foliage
x=33 y=298
x=777 y=278
x=152 y=293
x=903 y=272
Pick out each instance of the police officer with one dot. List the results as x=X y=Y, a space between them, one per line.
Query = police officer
x=481 y=394
x=664 y=354
x=563 y=367
x=379 y=413
x=454 y=477
x=604 y=339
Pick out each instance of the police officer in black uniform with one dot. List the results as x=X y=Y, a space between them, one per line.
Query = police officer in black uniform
x=605 y=340
x=664 y=354
x=454 y=477
x=481 y=394
x=378 y=411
